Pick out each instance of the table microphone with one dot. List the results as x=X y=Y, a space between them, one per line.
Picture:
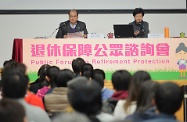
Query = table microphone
x=61 y=25
x=142 y=27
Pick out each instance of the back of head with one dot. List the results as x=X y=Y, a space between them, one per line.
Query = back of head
x=87 y=70
x=64 y=76
x=14 y=84
x=85 y=96
x=9 y=111
x=77 y=65
x=100 y=71
x=121 y=80
x=99 y=77
x=42 y=72
x=14 y=65
x=140 y=76
x=138 y=79
x=8 y=62
x=52 y=73
x=169 y=98
x=71 y=117
x=146 y=96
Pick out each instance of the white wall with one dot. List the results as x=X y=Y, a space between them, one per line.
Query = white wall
x=30 y=26
x=92 y=4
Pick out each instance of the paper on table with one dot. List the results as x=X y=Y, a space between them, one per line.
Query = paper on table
x=76 y=35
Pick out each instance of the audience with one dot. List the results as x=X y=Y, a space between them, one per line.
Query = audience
x=64 y=76
x=71 y=117
x=41 y=81
x=169 y=97
x=82 y=93
x=120 y=82
x=127 y=106
x=51 y=76
x=56 y=99
x=29 y=96
x=99 y=76
x=87 y=70
x=34 y=100
x=146 y=108
x=77 y=66
x=12 y=111
x=85 y=97
x=8 y=62
x=14 y=65
x=14 y=86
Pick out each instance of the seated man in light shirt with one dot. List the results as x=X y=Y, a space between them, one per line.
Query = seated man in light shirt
x=72 y=26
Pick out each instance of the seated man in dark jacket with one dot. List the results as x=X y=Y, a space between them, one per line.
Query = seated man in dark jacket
x=168 y=99
x=72 y=26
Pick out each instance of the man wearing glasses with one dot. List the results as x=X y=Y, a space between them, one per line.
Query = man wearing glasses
x=73 y=25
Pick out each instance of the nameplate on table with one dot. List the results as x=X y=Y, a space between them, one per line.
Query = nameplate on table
x=155 y=35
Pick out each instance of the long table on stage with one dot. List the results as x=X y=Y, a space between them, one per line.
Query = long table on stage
x=157 y=56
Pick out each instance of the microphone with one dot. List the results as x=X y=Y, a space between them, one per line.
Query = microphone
x=61 y=25
x=53 y=33
x=142 y=27
x=142 y=32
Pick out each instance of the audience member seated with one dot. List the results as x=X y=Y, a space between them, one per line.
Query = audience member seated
x=14 y=86
x=41 y=81
x=128 y=106
x=85 y=97
x=136 y=98
x=169 y=97
x=29 y=97
x=51 y=76
x=77 y=66
x=14 y=65
x=71 y=117
x=146 y=108
x=56 y=100
x=120 y=82
x=12 y=111
x=99 y=76
x=34 y=100
x=87 y=70
x=8 y=62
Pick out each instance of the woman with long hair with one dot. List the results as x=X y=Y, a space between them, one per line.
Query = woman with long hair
x=146 y=107
x=127 y=106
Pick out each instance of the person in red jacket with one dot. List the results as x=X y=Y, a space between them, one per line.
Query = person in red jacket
x=32 y=99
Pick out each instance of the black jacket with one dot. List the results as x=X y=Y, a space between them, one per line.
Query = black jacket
x=64 y=28
x=143 y=27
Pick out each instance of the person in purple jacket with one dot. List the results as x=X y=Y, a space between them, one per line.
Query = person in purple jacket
x=181 y=53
